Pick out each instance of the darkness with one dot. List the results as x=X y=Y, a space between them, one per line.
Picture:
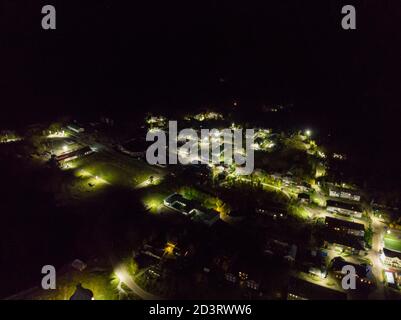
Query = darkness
x=126 y=58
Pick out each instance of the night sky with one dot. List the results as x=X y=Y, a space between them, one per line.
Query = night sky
x=124 y=58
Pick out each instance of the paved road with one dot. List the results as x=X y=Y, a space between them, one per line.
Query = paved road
x=374 y=256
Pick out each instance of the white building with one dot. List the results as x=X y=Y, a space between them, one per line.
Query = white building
x=344 y=193
x=391 y=258
x=343 y=208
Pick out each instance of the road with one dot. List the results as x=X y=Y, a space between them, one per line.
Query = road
x=129 y=281
x=374 y=256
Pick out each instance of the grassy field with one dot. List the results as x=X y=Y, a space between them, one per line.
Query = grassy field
x=89 y=176
x=392 y=241
x=112 y=170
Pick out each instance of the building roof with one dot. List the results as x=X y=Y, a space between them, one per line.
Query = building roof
x=311 y=291
x=194 y=208
x=362 y=270
x=340 y=189
x=344 y=240
x=339 y=223
x=175 y=197
x=206 y=216
x=344 y=205
x=76 y=153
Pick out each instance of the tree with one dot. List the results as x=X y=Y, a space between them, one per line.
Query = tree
x=368 y=236
x=55 y=127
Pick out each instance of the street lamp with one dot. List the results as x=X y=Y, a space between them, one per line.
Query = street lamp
x=308 y=132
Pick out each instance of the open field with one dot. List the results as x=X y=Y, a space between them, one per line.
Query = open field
x=112 y=170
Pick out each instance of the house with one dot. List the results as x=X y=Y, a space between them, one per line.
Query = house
x=343 y=193
x=363 y=271
x=178 y=203
x=344 y=242
x=206 y=216
x=356 y=229
x=312 y=261
x=344 y=208
x=304 y=197
x=74 y=154
x=391 y=258
x=299 y=289
x=246 y=272
x=192 y=209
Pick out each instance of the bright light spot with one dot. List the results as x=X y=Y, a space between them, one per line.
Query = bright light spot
x=388 y=231
x=308 y=132
x=65 y=148
x=255 y=146
x=58 y=134
x=122 y=276
x=169 y=249
x=204 y=144
x=183 y=153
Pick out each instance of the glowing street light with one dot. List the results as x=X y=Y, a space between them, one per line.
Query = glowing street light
x=169 y=249
x=120 y=275
x=308 y=132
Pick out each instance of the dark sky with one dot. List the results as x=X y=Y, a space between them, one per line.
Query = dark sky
x=117 y=57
